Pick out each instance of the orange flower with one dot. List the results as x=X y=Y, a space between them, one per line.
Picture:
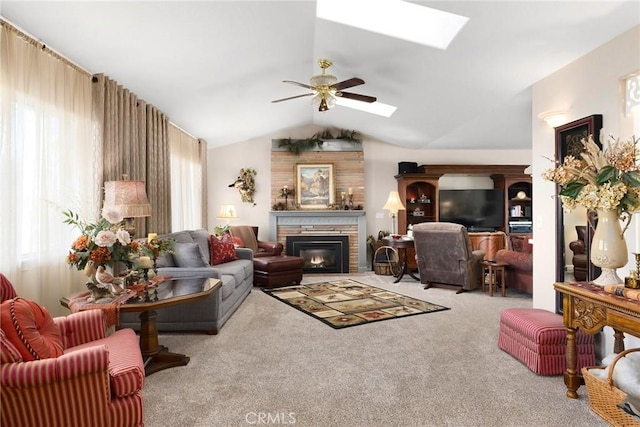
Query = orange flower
x=100 y=256
x=72 y=257
x=81 y=243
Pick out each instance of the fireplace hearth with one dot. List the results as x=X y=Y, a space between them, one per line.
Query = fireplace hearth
x=321 y=254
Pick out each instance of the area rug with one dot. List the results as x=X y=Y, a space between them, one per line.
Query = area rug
x=344 y=303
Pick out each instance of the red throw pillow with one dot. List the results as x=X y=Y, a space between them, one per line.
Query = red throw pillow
x=31 y=329
x=222 y=249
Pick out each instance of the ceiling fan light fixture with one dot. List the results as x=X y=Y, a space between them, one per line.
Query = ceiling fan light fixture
x=324 y=102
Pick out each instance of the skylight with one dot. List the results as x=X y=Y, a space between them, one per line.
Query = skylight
x=375 y=107
x=395 y=18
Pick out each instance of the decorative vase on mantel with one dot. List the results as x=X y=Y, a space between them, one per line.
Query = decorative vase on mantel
x=608 y=247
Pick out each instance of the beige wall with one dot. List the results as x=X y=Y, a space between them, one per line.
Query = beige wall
x=589 y=85
x=381 y=165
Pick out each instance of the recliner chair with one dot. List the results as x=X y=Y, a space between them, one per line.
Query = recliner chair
x=444 y=255
x=270 y=267
x=579 y=260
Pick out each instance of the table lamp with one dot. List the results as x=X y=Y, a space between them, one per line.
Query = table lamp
x=130 y=197
x=393 y=205
x=227 y=212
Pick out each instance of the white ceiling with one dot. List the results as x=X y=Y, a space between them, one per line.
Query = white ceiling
x=214 y=66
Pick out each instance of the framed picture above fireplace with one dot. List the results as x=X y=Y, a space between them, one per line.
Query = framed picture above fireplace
x=315 y=186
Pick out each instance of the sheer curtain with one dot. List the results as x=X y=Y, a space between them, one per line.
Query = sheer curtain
x=49 y=161
x=188 y=180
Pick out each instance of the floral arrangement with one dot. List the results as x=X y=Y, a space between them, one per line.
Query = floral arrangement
x=104 y=242
x=155 y=247
x=601 y=179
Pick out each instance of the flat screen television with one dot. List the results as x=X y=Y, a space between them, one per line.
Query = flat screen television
x=479 y=210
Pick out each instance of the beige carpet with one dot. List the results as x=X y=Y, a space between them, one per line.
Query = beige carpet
x=272 y=363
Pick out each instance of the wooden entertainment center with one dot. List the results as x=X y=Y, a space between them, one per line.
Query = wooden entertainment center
x=420 y=193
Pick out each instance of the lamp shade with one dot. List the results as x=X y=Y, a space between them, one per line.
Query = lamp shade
x=227 y=212
x=128 y=196
x=393 y=203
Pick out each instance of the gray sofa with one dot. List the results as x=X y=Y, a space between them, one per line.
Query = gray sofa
x=192 y=259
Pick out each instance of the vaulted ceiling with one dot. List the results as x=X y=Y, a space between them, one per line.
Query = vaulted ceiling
x=215 y=66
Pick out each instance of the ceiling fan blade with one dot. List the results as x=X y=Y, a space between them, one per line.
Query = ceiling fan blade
x=299 y=84
x=348 y=83
x=357 y=97
x=293 y=97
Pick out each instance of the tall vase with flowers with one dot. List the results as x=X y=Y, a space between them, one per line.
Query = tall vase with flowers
x=607 y=182
x=101 y=244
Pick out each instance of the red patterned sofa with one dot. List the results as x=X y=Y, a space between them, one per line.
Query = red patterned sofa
x=63 y=371
x=519 y=259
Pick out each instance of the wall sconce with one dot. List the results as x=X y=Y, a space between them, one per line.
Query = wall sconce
x=393 y=205
x=554 y=118
x=130 y=197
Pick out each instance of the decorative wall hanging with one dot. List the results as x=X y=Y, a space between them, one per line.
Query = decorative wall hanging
x=245 y=184
x=316 y=141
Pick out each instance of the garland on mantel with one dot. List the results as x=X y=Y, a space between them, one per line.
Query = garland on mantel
x=316 y=140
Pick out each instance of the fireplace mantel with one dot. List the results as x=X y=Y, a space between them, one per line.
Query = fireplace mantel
x=323 y=219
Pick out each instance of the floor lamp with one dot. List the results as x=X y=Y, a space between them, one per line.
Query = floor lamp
x=393 y=205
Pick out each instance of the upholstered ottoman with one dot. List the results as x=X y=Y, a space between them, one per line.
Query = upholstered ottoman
x=272 y=271
x=538 y=338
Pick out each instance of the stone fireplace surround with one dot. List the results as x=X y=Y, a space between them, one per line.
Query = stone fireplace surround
x=324 y=223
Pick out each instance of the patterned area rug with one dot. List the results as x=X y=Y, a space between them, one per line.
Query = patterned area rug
x=344 y=303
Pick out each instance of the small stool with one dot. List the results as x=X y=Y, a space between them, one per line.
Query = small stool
x=273 y=271
x=538 y=339
x=492 y=269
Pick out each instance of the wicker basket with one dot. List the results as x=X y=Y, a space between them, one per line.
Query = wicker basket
x=604 y=397
x=385 y=261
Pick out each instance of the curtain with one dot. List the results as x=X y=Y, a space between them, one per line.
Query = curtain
x=188 y=180
x=50 y=160
x=135 y=145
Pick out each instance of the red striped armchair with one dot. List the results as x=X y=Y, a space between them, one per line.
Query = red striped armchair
x=96 y=381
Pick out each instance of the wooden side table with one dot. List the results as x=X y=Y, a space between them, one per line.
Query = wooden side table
x=158 y=357
x=493 y=269
x=403 y=245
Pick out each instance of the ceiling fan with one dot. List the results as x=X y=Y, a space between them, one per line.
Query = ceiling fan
x=326 y=88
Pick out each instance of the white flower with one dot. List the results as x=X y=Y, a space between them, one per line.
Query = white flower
x=123 y=237
x=111 y=214
x=105 y=238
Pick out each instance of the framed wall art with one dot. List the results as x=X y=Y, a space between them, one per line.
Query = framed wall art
x=569 y=136
x=315 y=186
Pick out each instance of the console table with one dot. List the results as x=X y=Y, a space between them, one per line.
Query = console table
x=588 y=307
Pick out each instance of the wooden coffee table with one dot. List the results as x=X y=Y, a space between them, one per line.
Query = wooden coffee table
x=158 y=357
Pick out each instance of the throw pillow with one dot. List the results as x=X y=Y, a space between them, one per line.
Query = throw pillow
x=237 y=242
x=222 y=249
x=188 y=255
x=521 y=244
x=31 y=329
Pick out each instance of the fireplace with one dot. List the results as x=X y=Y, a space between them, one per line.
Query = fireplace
x=321 y=254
